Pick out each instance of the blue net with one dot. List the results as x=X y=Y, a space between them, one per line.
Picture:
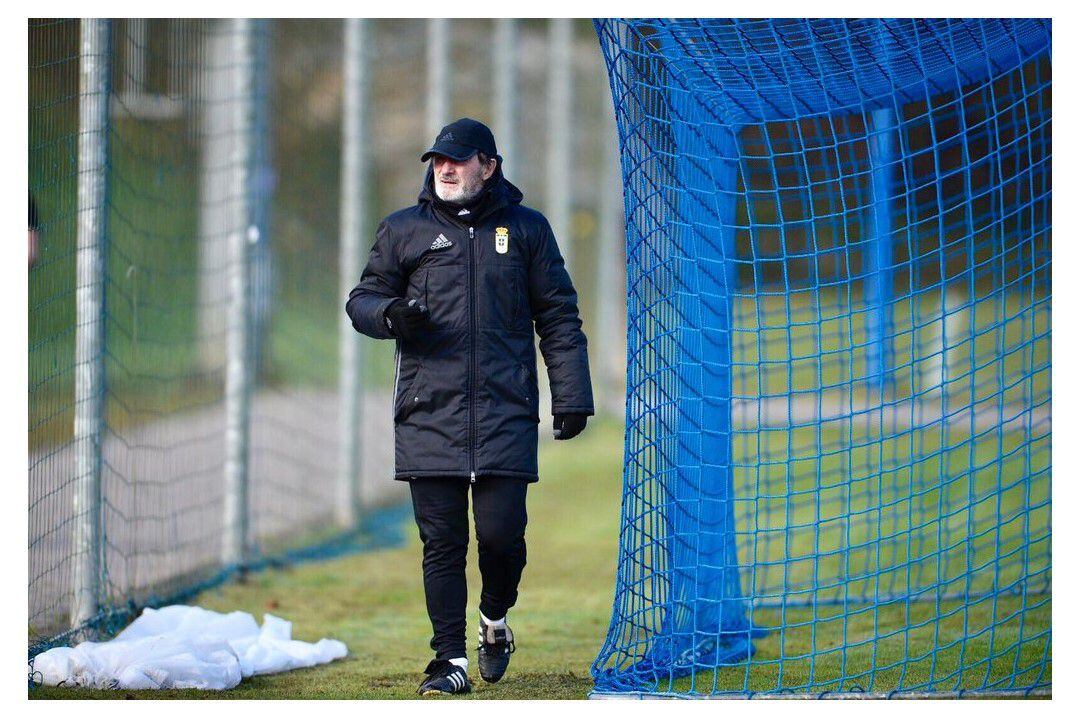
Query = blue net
x=837 y=461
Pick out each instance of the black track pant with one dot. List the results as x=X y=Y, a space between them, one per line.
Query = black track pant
x=441 y=507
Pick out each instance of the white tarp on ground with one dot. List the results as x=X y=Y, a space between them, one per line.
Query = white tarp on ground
x=180 y=647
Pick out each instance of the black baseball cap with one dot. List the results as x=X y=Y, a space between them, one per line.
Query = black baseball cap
x=462 y=139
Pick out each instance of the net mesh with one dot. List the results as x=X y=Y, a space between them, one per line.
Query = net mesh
x=837 y=458
x=171 y=206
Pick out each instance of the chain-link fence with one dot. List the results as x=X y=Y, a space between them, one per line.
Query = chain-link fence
x=200 y=192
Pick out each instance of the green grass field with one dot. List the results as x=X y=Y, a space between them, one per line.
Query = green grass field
x=374 y=603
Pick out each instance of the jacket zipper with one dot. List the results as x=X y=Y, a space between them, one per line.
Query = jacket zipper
x=472 y=359
x=472 y=351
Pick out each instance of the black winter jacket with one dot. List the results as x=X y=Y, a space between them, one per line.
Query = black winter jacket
x=465 y=395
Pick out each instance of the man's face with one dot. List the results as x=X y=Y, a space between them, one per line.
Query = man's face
x=460 y=181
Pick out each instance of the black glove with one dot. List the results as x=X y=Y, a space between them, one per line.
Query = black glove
x=406 y=319
x=568 y=426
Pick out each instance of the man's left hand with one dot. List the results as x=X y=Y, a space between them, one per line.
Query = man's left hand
x=568 y=426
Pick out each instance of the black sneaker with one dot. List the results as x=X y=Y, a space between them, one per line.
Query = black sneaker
x=444 y=678
x=496 y=646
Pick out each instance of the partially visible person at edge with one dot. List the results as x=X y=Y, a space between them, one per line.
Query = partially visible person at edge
x=460 y=280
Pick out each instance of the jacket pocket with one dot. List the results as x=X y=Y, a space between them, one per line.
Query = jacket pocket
x=529 y=390
x=408 y=396
x=424 y=297
x=523 y=381
x=515 y=308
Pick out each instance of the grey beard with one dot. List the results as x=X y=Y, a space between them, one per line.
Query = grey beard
x=467 y=196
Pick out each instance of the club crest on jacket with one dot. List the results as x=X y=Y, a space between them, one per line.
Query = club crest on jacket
x=502 y=240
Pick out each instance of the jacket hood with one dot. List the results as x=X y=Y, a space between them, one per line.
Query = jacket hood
x=498 y=192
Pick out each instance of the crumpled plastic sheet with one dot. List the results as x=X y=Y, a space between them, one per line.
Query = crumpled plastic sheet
x=182 y=647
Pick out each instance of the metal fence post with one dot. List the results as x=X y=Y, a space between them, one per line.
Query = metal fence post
x=354 y=220
x=438 y=76
x=94 y=73
x=506 y=90
x=941 y=366
x=238 y=369
x=135 y=77
x=560 y=137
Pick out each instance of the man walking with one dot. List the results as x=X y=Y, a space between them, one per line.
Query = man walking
x=459 y=280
